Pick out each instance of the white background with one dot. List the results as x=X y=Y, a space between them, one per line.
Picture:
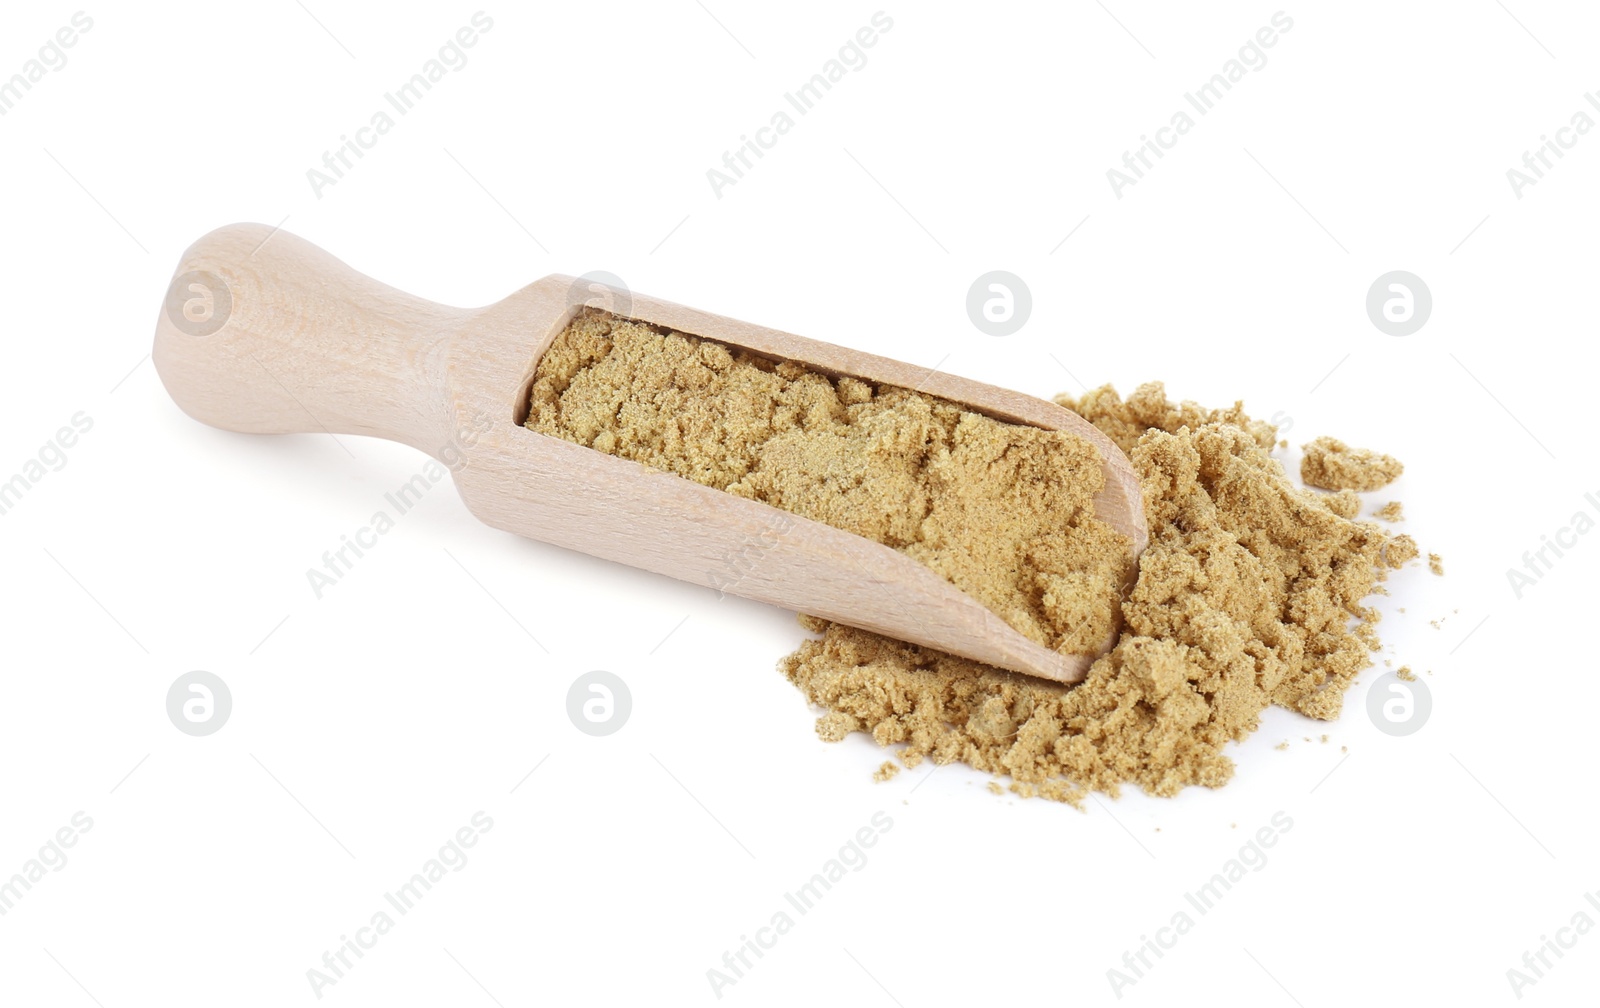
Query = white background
x=370 y=725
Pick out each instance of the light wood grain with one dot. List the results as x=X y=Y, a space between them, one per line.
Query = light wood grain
x=310 y=345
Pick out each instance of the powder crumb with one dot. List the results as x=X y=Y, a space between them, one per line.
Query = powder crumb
x=1333 y=465
x=1003 y=511
x=1344 y=748
x=1401 y=549
x=1324 y=740
x=1406 y=674
x=995 y=788
x=886 y=771
x=1391 y=512
x=1250 y=594
x=835 y=726
x=1436 y=564
x=1284 y=745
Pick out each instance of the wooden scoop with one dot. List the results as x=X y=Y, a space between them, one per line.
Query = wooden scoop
x=265 y=333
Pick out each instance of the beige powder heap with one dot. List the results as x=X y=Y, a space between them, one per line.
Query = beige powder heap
x=1250 y=594
x=1004 y=511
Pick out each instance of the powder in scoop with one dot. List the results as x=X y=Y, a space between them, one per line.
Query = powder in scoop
x=1333 y=465
x=1250 y=594
x=1005 y=512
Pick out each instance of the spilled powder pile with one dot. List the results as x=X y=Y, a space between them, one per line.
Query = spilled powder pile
x=1004 y=511
x=1250 y=594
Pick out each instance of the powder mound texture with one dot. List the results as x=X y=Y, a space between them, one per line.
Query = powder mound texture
x=1005 y=512
x=1333 y=465
x=1126 y=422
x=1344 y=503
x=1250 y=594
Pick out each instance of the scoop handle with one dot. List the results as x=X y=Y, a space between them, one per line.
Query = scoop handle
x=264 y=333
